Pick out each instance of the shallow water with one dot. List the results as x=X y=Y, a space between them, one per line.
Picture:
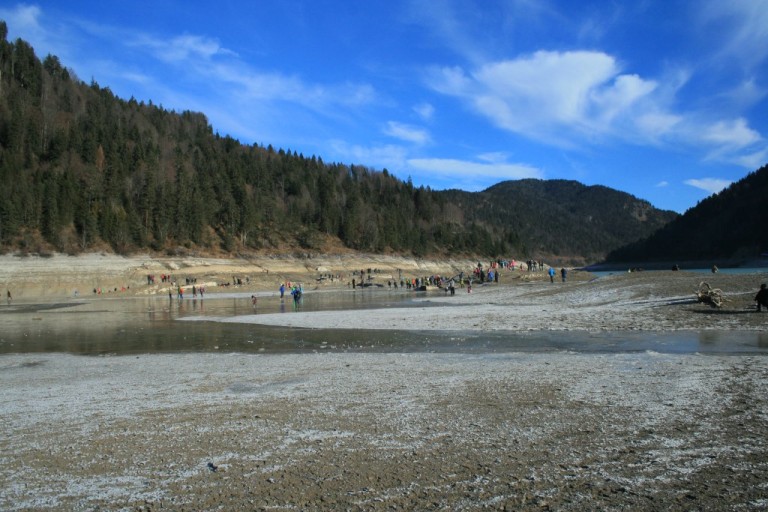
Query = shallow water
x=702 y=271
x=149 y=325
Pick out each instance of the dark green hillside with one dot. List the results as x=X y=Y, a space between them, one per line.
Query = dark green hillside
x=83 y=170
x=565 y=219
x=730 y=225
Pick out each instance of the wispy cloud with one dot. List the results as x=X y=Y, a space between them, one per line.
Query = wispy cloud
x=204 y=60
x=23 y=18
x=753 y=160
x=478 y=171
x=29 y=20
x=407 y=132
x=746 y=94
x=555 y=97
x=730 y=141
x=469 y=174
x=462 y=27
x=179 y=49
x=732 y=133
x=569 y=99
x=742 y=29
x=711 y=185
x=389 y=156
x=424 y=110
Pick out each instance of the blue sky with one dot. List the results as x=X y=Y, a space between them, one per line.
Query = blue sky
x=663 y=99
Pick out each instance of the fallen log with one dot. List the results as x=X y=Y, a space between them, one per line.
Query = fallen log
x=708 y=295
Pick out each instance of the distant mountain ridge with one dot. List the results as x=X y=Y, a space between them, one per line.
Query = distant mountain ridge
x=731 y=225
x=565 y=219
x=83 y=170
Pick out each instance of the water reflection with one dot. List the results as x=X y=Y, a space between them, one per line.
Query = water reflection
x=141 y=325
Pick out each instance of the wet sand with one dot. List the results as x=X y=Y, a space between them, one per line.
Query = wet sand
x=643 y=301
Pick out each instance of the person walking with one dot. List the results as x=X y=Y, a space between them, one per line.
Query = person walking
x=762 y=297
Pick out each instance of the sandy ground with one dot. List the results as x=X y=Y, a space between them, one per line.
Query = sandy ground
x=417 y=431
x=58 y=276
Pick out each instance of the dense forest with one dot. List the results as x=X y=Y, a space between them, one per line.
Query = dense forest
x=729 y=225
x=565 y=218
x=83 y=170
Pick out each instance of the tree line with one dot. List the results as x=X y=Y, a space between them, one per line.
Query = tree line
x=729 y=225
x=84 y=170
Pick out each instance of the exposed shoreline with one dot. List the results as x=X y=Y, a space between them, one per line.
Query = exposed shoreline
x=59 y=276
x=382 y=431
x=650 y=301
x=521 y=301
x=513 y=431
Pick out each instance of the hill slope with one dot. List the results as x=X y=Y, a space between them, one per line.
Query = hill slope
x=86 y=171
x=730 y=225
x=565 y=219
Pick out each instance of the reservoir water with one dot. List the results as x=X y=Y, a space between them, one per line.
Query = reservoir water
x=151 y=325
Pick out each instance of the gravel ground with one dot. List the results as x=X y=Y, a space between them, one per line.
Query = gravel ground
x=554 y=431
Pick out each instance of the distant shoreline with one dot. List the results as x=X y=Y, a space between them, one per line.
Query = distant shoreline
x=758 y=263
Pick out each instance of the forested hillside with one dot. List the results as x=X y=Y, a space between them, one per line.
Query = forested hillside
x=732 y=224
x=565 y=218
x=83 y=170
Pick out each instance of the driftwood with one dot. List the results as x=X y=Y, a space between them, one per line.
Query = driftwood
x=708 y=295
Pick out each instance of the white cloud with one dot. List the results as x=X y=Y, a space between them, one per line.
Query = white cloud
x=711 y=185
x=493 y=157
x=627 y=89
x=571 y=98
x=754 y=160
x=553 y=96
x=746 y=94
x=424 y=110
x=550 y=85
x=406 y=132
x=136 y=77
x=662 y=184
x=731 y=141
x=732 y=133
x=390 y=156
x=437 y=172
x=23 y=18
x=741 y=25
x=447 y=167
x=450 y=80
x=184 y=47
x=656 y=124
x=204 y=60
x=25 y=21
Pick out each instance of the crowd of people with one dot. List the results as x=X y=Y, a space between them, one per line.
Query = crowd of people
x=479 y=274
